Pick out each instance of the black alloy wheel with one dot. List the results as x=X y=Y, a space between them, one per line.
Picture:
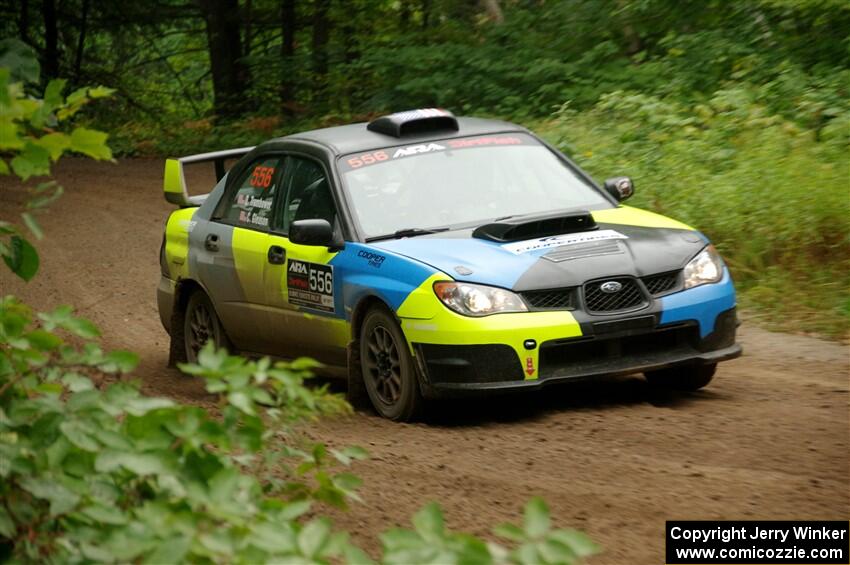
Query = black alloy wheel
x=387 y=366
x=383 y=364
x=201 y=324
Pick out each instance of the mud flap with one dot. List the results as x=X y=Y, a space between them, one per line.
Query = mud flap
x=177 y=347
x=356 y=394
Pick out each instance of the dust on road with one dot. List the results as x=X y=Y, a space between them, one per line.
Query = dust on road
x=768 y=439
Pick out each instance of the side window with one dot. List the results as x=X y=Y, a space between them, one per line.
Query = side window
x=249 y=203
x=308 y=194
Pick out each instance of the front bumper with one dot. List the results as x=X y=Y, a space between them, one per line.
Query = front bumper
x=453 y=370
x=457 y=354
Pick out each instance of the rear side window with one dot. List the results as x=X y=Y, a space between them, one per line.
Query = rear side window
x=249 y=203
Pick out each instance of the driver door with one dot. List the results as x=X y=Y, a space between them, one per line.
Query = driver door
x=303 y=290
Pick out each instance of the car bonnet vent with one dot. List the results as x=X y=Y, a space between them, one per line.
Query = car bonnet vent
x=412 y=122
x=527 y=228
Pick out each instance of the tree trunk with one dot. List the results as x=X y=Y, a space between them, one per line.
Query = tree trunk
x=51 y=39
x=229 y=76
x=634 y=42
x=321 y=34
x=494 y=11
x=81 y=41
x=404 y=15
x=288 y=26
x=349 y=30
x=24 y=21
x=249 y=26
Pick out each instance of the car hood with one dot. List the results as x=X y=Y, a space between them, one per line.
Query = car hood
x=627 y=242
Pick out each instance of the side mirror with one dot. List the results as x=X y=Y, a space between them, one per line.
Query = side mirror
x=620 y=187
x=315 y=232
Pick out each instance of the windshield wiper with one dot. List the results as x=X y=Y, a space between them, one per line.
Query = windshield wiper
x=407 y=232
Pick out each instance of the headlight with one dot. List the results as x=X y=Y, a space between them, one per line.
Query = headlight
x=478 y=300
x=706 y=267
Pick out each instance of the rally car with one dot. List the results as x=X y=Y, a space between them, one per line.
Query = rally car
x=430 y=255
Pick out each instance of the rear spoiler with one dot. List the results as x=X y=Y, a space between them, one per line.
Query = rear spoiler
x=174 y=184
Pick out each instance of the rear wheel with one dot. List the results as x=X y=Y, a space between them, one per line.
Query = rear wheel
x=688 y=377
x=387 y=365
x=200 y=325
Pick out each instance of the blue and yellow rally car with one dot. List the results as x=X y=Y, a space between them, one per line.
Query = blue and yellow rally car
x=426 y=255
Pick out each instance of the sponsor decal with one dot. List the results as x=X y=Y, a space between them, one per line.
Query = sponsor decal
x=480 y=141
x=416 y=149
x=529 y=366
x=310 y=285
x=528 y=245
x=374 y=259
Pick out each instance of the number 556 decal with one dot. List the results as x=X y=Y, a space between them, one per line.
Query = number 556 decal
x=310 y=285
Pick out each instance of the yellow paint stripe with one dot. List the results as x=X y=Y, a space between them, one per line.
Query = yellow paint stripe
x=628 y=216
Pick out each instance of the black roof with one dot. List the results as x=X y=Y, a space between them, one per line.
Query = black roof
x=354 y=138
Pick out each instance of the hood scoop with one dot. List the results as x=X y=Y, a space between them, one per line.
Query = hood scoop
x=526 y=227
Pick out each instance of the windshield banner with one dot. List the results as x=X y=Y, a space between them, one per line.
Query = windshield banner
x=352 y=162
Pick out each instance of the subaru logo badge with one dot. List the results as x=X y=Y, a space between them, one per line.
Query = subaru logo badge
x=610 y=287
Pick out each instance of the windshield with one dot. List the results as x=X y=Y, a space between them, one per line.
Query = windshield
x=460 y=182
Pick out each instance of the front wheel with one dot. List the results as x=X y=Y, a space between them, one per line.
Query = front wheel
x=387 y=365
x=688 y=377
x=200 y=325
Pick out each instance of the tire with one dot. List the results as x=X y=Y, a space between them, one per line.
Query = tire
x=201 y=324
x=689 y=377
x=389 y=373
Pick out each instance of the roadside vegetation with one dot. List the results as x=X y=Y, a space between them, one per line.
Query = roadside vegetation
x=93 y=471
x=732 y=116
x=768 y=192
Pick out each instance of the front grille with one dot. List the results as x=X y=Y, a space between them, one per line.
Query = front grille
x=661 y=284
x=554 y=299
x=629 y=297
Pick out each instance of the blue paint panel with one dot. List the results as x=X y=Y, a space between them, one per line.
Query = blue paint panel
x=391 y=279
x=702 y=304
x=489 y=263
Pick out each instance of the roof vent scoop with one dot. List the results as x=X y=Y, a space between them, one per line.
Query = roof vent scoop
x=528 y=227
x=413 y=122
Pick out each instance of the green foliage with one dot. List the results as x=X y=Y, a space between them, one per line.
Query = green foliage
x=94 y=471
x=535 y=542
x=21 y=257
x=29 y=140
x=763 y=188
x=18 y=57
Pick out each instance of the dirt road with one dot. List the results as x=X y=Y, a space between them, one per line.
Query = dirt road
x=767 y=440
